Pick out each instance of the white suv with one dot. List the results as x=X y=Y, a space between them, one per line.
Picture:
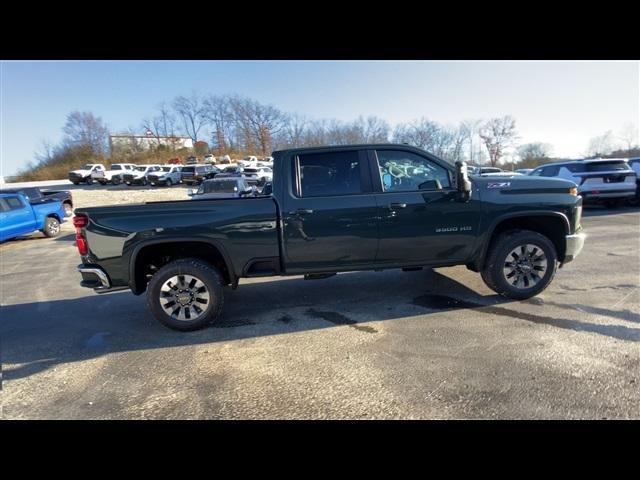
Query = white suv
x=168 y=175
x=105 y=176
x=601 y=180
x=139 y=175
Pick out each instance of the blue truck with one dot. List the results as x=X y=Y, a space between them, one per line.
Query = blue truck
x=19 y=217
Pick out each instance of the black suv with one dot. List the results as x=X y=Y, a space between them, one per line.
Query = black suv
x=196 y=174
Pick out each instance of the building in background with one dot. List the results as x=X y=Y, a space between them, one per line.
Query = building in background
x=139 y=143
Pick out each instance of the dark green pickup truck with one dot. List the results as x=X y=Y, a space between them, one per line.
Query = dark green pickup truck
x=334 y=209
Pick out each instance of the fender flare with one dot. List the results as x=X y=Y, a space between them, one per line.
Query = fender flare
x=508 y=216
x=157 y=241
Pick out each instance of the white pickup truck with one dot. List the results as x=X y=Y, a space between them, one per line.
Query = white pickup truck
x=105 y=176
x=85 y=173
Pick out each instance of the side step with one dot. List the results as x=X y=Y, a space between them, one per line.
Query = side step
x=318 y=276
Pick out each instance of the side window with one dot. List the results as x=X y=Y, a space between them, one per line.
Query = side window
x=116 y=167
x=550 y=171
x=3 y=205
x=405 y=171
x=327 y=174
x=14 y=203
x=536 y=173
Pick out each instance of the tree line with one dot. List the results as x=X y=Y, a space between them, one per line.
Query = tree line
x=235 y=125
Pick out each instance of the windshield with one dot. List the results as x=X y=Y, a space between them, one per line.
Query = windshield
x=220 y=186
x=88 y=166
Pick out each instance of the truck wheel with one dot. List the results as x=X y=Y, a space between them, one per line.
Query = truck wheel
x=51 y=227
x=186 y=294
x=115 y=181
x=68 y=209
x=168 y=183
x=88 y=180
x=520 y=264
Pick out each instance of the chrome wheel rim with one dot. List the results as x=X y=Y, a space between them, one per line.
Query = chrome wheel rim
x=184 y=297
x=525 y=266
x=54 y=227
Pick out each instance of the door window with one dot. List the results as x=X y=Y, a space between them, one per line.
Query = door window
x=406 y=172
x=14 y=203
x=329 y=174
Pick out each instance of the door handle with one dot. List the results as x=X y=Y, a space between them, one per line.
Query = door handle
x=301 y=211
x=395 y=206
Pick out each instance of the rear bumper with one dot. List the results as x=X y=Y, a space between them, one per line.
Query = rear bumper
x=574 y=245
x=96 y=278
x=593 y=195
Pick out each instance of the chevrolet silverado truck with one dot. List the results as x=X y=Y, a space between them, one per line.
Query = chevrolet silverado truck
x=331 y=210
x=20 y=217
x=35 y=195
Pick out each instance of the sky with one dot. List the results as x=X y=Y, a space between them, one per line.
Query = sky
x=563 y=103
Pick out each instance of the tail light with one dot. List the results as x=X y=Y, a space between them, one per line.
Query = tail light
x=81 y=221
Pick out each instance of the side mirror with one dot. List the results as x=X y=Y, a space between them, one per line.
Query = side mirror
x=191 y=192
x=462 y=181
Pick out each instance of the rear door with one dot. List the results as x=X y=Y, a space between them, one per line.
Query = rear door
x=18 y=219
x=421 y=219
x=329 y=213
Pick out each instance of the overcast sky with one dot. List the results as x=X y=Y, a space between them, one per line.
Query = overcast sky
x=561 y=103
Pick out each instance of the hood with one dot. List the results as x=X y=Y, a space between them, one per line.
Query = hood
x=521 y=184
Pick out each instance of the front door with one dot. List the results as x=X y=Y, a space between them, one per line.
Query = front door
x=422 y=220
x=330 y=217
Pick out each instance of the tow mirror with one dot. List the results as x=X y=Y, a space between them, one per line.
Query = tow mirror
x=462 y=181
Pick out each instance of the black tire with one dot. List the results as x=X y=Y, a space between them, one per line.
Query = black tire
x=143 y=182
x=500 y=255
x=168 y=183
x=68 y=209
x=76 y=183
x=88 y=180
x=204 y=273
x=612 y=203
x=115 y=180
x=51 y=227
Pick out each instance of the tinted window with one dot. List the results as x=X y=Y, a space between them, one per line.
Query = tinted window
x=14 y=203
x=550 y=171
x=3 y=205
x=405 y=171
x=166 y=169
x=221 y=186
x=606 y=166
x=116 y=167
x=325 y=174
x=188 y=169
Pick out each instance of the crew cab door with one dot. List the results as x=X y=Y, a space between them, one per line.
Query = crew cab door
x=17 y=217
x=329 y=213
x=422 y=220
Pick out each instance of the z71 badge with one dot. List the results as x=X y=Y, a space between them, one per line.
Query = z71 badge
x=498 y=184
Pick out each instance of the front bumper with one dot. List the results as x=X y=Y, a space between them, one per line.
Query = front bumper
x=574 y=244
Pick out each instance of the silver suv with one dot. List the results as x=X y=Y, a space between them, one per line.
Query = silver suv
x=601 y=180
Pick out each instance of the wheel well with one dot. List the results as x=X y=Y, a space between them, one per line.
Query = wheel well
x=68 y=202
x=151 y=258
x=552 y=227
x=53 y=215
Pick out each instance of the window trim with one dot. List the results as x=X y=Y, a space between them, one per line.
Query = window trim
x=379 y=188
x=366 y=187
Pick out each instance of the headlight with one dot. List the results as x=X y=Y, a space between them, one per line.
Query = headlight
x=573 y=191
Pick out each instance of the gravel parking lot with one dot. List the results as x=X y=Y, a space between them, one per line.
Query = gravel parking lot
x=427 y=344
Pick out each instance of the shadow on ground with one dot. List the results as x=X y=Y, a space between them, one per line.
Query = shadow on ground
x=40 y=335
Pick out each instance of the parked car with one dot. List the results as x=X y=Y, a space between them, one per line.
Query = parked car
x=139 y=175
x=524 y=171
x=83 y=174
x=489 y=170
x=210 y=159
x=105 y=176
x=196 y=174
x=258 y=176
x=608 y=181
x=225 y=159
x=35 y=196
x=249 y=162
x=20 y=217
x=330 y=212
x=233 y=187
x=634 y=163
x=192 y=160
x=168 y=175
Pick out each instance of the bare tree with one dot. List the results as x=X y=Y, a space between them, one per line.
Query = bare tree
x=498 y=134
x=470 y=128
x=45 y=153
x=218 y=111
x=257 y=123
x=600 y=145
x=534 y=151
x=374 y=129
x=629 y=135
x=85 y=129
x=192 y=113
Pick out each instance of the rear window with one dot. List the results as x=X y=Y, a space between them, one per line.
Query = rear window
x=327 y=174
x=598 y=167
x=221 y=186
x=188 y=169
x=14 y=203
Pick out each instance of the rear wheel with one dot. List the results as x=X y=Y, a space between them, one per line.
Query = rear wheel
x=186 y=294
x=51 y=227
x=115 y=180
x=520 y=264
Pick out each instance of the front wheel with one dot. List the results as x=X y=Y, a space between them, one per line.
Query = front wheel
x=520 y=264
x=115 y=181
x=186 y=294
x=51 y=227
x=168 y=183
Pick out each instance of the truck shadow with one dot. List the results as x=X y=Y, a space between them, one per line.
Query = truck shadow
x=37 y=336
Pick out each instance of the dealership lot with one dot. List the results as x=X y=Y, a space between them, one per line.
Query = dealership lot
x=426 y=344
